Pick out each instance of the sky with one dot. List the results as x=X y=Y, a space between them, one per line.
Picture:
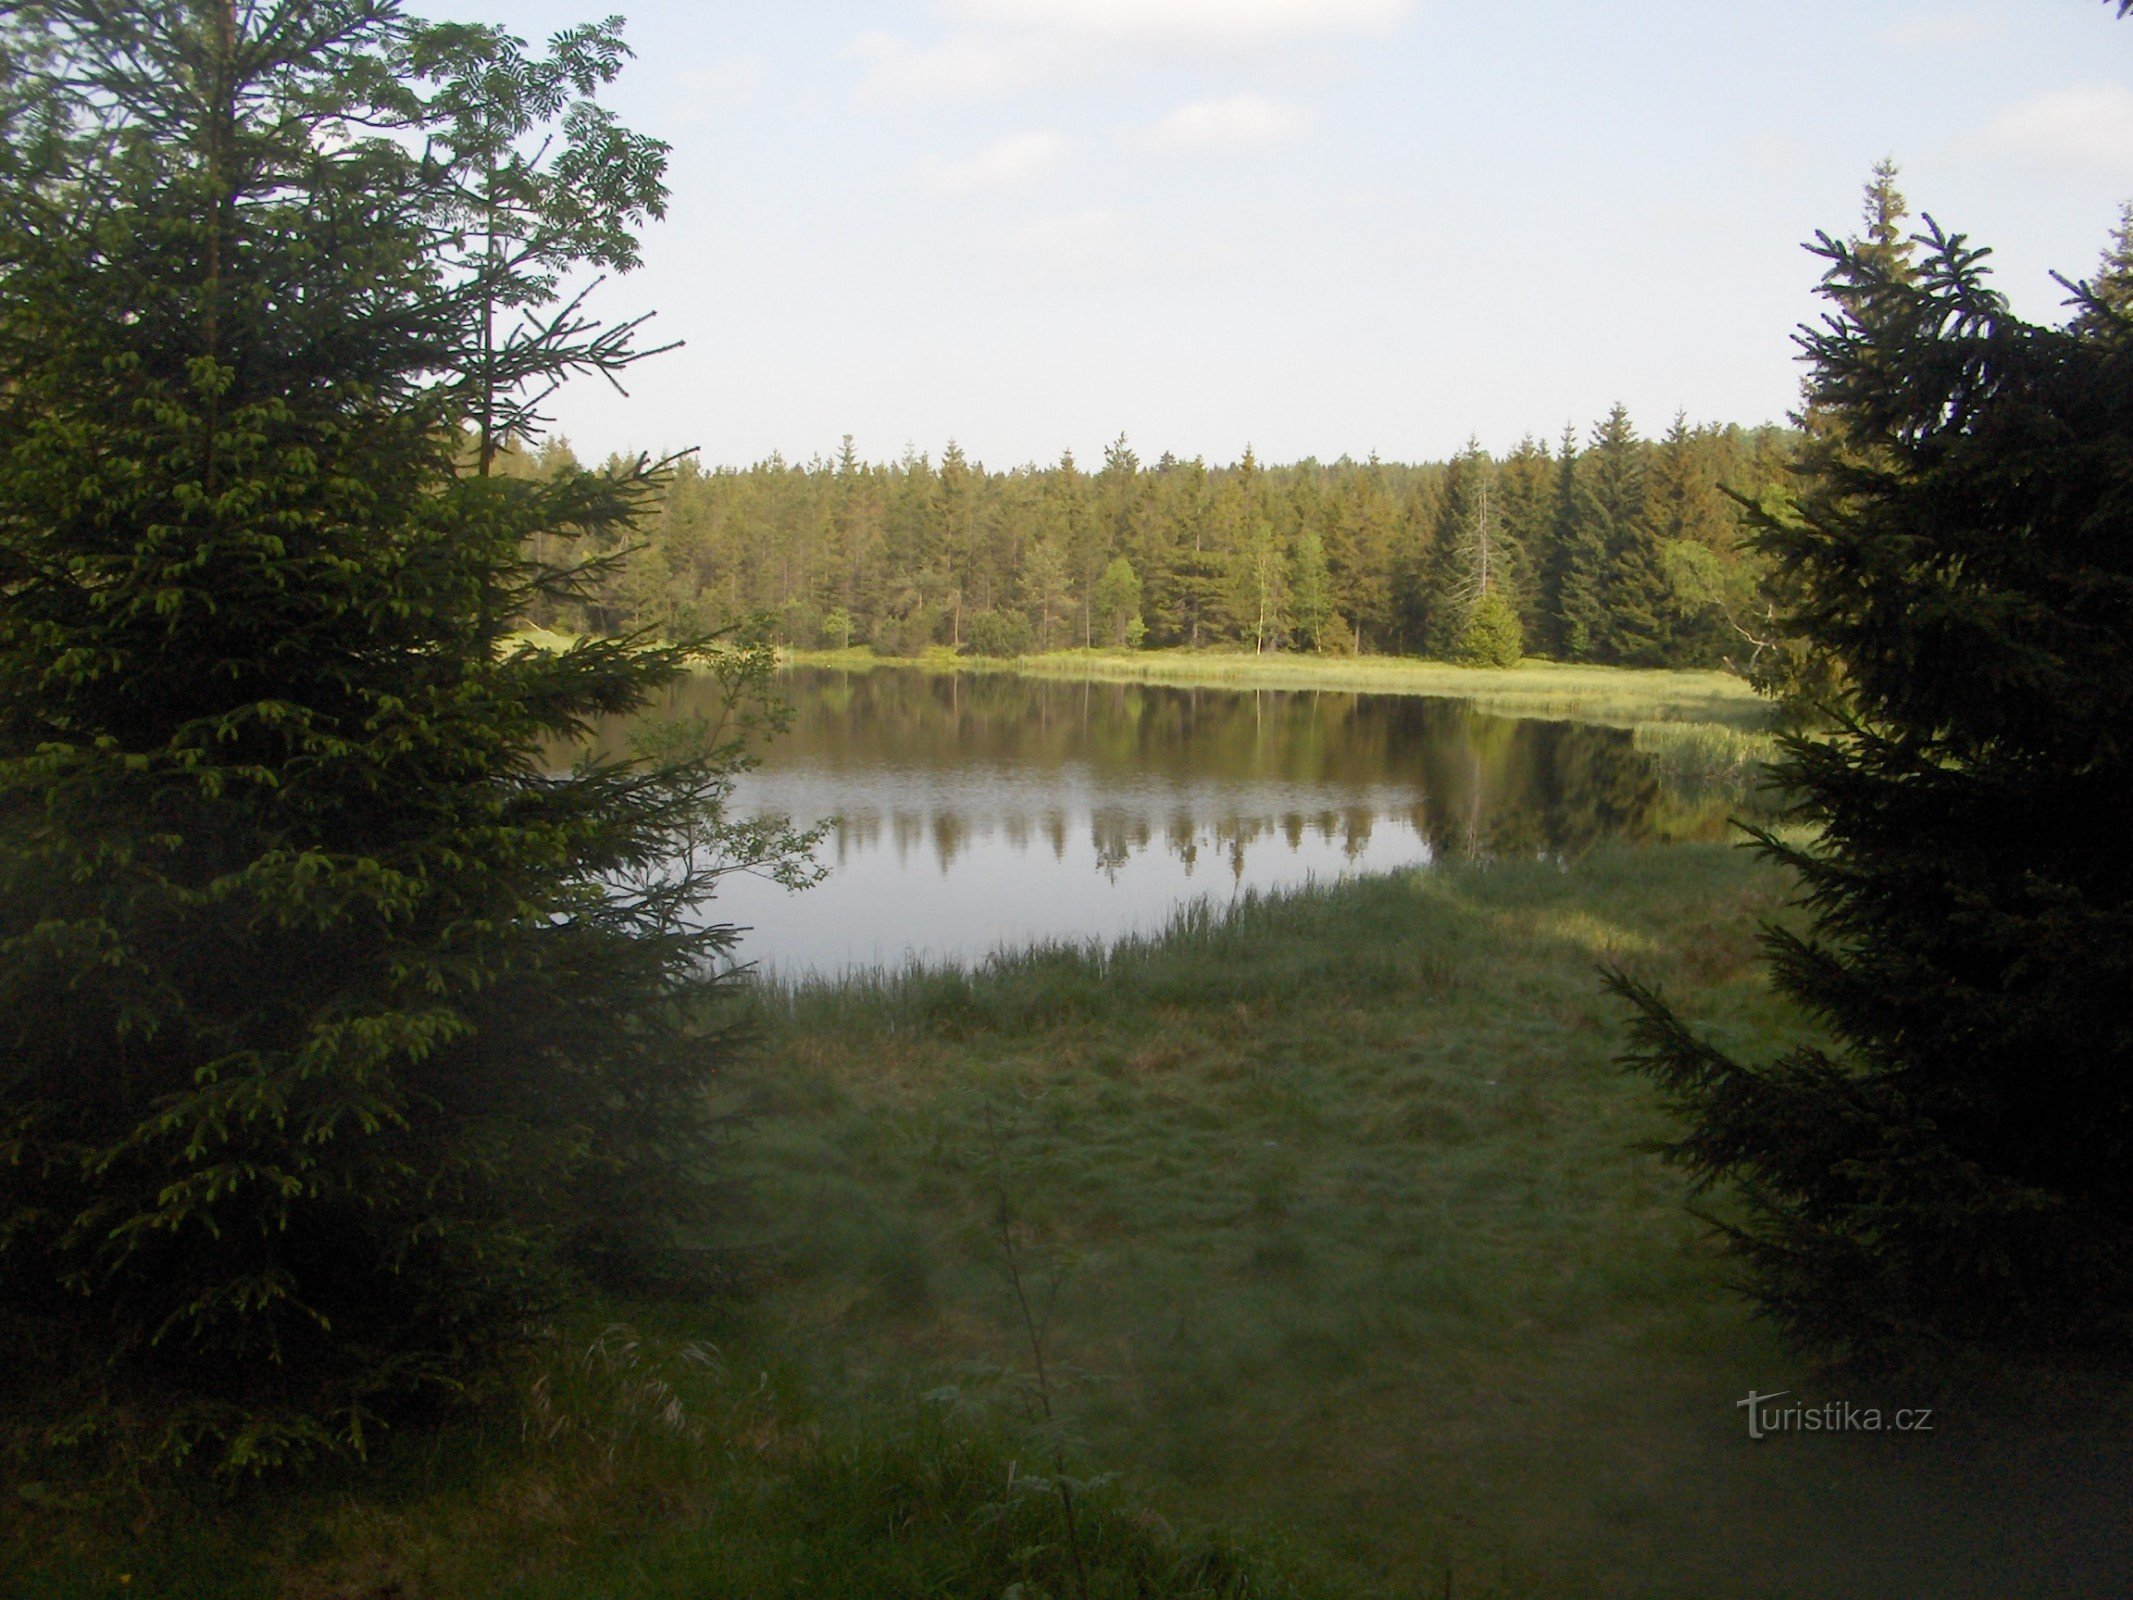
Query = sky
x=1312 y=227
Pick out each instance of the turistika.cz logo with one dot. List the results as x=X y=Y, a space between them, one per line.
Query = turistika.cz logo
x=1766 y=1417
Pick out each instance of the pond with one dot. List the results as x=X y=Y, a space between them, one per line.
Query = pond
x=973 y=812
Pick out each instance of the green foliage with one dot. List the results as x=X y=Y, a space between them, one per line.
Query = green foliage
x=1787 y=663
x=1492 y=636
x=341 y=1029
x=999 y=634
x=1617 y=584
x=643 y=1459
x=1347 y=1180
x=1606 y=696
x=1118 y=604
x=1311 y=583
x=1347 y=556
x=1445 y=585
x=1950 y=1170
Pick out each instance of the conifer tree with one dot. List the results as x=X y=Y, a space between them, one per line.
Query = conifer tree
x=1693 y=526
x=958 y=541
x=1047 y=592
x=1184 y=588
x=1621 y=569
x=1588 y=538
x=1566 y=599
x=1310 y=590
x=1525 y=484
x=1474 y=617
x=1806 y=680
x=1359 y=555
x=339 y=1030
x=1952 y=1169
x=1460 y=511
x=2112 y=287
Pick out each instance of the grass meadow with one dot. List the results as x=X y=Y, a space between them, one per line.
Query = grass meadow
x=1349 y=1275
x=1612 y=696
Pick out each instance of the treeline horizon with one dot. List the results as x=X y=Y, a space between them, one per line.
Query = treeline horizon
x=1607 y=547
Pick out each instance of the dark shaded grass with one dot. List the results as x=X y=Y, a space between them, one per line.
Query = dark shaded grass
x=653 y=1476
x=1354 y=1251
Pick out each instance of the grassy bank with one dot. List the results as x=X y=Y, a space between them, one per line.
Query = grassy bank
x=692 y=1453
x=1331 y=1212
x=1612 y=696
x=1351 y=1235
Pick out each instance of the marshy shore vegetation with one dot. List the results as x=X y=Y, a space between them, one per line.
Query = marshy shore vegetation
x=1337 y=1204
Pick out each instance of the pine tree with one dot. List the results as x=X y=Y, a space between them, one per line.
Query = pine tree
x=1182 y=587
x=1953 y=1169
x=1565 y=610
x=1526 y=483
x=1805 y=680
x=1578 y=567
x=1473 y=616
x=1443 y=601
x=958 y=540
x=1693 y=525
x=1311 y=590
x=2112 y=287
x=1359 y=555
x=1626 y=581
x=339 y=1030
x=1082 y=540
x=1047 y=592
x=1492 y=636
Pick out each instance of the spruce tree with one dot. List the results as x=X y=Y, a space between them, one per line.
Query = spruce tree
x=339 y=1032
x=1311 y=588
x=1585 y=541
x=1184 y=593
x=1526 y=484
x=1954 y=1168
x=1448 y=591
x=1626 y=581
x=1694 y=526
x=2113 y=283
x=1806 y=680
x=1476 y=617
x=1566 y=635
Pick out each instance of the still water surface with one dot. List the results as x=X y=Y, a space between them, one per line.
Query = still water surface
x=973 y=813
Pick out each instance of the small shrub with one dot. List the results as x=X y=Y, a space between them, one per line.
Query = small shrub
x=1492 y=636
x=997 y=633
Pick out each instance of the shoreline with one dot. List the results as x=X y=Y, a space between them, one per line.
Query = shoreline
x=1623 y=697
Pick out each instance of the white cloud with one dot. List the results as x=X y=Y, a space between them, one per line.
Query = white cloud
x=1011 y=162
x=962 y=66
x=1190 y=22
x=2090 y=126
x=1241 y=122
x=1078 y=245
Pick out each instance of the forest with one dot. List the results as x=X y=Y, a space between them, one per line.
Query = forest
x=411 y=1184
x=1613 y=549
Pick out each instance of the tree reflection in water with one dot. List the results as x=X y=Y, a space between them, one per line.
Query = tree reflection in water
x=962 y=803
